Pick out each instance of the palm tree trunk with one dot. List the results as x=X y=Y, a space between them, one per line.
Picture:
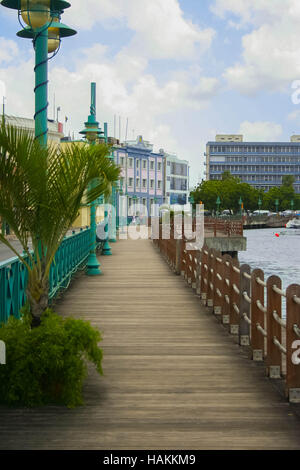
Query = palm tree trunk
x=38 y=298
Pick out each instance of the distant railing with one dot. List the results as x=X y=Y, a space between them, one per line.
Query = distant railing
x=71 y=256
x=248 y=305
x=219 y=227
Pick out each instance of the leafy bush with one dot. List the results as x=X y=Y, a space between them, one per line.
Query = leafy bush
x=47 y=364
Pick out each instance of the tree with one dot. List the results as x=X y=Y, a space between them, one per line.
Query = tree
x=288 y=180
x=41 y=193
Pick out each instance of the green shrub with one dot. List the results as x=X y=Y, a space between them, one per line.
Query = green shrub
x=47 y=364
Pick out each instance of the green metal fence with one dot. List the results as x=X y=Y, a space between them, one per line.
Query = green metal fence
x=71 y=256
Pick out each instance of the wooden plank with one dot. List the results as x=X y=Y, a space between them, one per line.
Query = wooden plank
x=173 y=376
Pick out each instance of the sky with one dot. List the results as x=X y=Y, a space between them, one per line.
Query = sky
x=178 y=71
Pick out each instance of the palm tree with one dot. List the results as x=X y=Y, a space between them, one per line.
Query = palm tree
x=41 y=190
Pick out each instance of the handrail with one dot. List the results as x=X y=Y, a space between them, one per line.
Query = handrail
x=250 y=305
x=69 y=258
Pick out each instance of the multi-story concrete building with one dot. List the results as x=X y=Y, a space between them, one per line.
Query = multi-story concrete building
x=176 y=180
x=261 y=164
x=142 y=174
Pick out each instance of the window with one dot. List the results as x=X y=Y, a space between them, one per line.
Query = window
x=151 y=165
x=144 y=164
x=137 y=182
x=158 y=184
x=122 y=161
x=137 y=164
x=130 y=162
x=151 y=184
x=130 y=182
x=144 y=184
x=159 y=166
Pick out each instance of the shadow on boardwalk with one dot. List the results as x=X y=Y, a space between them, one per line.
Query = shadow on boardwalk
x=173 y=379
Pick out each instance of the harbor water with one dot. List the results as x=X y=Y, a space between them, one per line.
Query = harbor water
x=275 y=254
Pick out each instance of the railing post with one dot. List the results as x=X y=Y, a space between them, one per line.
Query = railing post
x=274 y=302
x=245 y=286
x=226 y=313
x=235 y=295
x=198 y=271
x=178 y=256
x=210 y=288
x=257 y=294
x=293 y=343
x=218 y=284
x=204 y=274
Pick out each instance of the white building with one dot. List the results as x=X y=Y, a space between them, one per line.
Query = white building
x=176 y=179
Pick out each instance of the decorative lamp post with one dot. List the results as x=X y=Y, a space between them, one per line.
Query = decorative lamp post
x=218 y=202
x=259 y=205
x=292 y=204
x=276 y=205
x=92 y=132
x=241 y=205
x=42 y=18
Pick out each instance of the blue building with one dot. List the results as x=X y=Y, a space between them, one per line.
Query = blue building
x=261 y=164
x=142 y=174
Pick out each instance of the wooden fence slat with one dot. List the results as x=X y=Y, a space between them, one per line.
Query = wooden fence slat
x=274 y=330
x=257 y=317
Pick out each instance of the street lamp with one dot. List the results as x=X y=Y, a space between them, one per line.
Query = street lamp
x=277 y=204
x=42 y=18
x=92 y=132
x=241 y=205
x=218 y=202
x=259 y=204
x=292 y=204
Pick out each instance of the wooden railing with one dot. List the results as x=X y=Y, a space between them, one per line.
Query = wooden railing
x=228 y=228
x=247 y=304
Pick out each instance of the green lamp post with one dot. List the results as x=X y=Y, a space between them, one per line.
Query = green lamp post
x=92 y=132
x=277 y=204
x=42 y=18
x=241 y=205
x=259 y=204
x=292 y=204
x=218 y=202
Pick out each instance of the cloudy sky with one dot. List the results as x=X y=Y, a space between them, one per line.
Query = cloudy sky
x=180 y=71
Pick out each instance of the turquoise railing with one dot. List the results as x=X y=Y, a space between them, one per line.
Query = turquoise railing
x=71 y=256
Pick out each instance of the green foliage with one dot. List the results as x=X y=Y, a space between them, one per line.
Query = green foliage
x=41 y=194
x=47 y=364
x=231 y=189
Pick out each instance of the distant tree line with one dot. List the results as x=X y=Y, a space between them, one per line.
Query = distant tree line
x=231 y=191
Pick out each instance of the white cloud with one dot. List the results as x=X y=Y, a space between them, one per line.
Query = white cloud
x=8 y=50
x=271 y=51
x=260 y=131
x=160 y=29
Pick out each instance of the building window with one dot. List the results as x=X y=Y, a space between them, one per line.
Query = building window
x=130 y=182
x=159 y=184
x=144 y=184
x=144 y=164
x=151 y=184
x=137 y=182
x=122 y=161
x=151 y=165
x=159 y=166
x=130 y=162
x=137 y=164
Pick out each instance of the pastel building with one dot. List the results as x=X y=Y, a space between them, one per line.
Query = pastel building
x=176 y=180
x=142 y=173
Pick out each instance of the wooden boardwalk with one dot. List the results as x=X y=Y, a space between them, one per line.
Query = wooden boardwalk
x=174 y=378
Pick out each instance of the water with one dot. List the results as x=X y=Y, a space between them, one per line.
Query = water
x=278 y=256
